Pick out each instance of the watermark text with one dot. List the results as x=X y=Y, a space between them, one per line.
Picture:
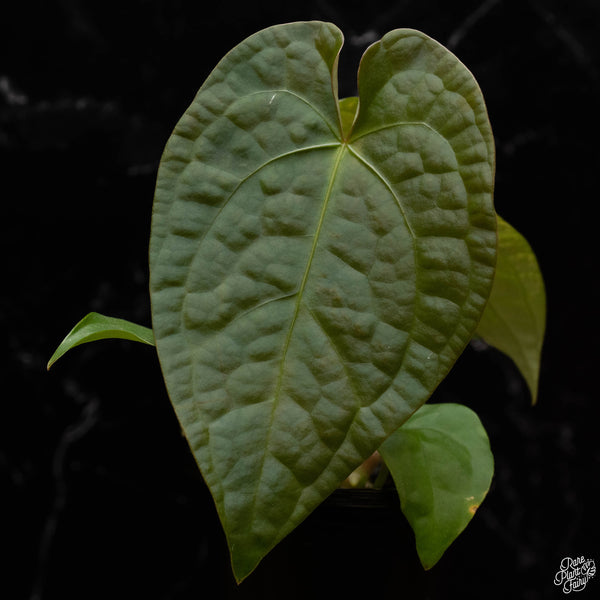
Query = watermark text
x=574 y=573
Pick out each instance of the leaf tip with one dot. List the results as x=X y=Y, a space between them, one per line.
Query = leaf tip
x=54 y=358
x=427 y=562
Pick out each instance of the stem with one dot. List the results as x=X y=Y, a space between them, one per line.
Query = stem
x=368 y=474
x=381 y=476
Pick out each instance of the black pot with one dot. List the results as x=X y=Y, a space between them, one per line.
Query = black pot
x=356 y=543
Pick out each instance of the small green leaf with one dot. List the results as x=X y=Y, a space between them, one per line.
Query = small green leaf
x=515 y=316
x=95 y=326
x=348 y=109
x=442 y=465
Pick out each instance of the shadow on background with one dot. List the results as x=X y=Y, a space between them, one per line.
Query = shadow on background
x=100 y=496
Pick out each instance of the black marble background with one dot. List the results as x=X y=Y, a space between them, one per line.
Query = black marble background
x=99 y=496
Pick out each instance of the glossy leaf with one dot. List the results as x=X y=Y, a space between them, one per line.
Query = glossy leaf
x=514 y=319
x=95 y=326
x=312 y=283
x=442 y=466
x=348 y=110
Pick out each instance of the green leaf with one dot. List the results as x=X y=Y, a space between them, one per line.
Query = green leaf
x=95 y=326
x=515 y=317
x=312 y=285
x=442 y=465
x=348 y=110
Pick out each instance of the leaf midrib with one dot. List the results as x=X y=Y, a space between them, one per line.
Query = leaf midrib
x=338 y=159
x=332 y=178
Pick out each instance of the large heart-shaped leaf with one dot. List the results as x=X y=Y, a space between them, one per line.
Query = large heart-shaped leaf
x=311 y=284
x=442 y=465
x=514 y=319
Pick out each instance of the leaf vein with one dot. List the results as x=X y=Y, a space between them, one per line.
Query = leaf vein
x=288 y=339
x=397 y=124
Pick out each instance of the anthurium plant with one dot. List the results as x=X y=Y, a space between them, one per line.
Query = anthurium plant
x=316 y=268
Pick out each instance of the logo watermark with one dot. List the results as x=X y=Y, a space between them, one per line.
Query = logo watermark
x=574 y=573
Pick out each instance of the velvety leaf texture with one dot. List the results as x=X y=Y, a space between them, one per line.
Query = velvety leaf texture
x=311 y=284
